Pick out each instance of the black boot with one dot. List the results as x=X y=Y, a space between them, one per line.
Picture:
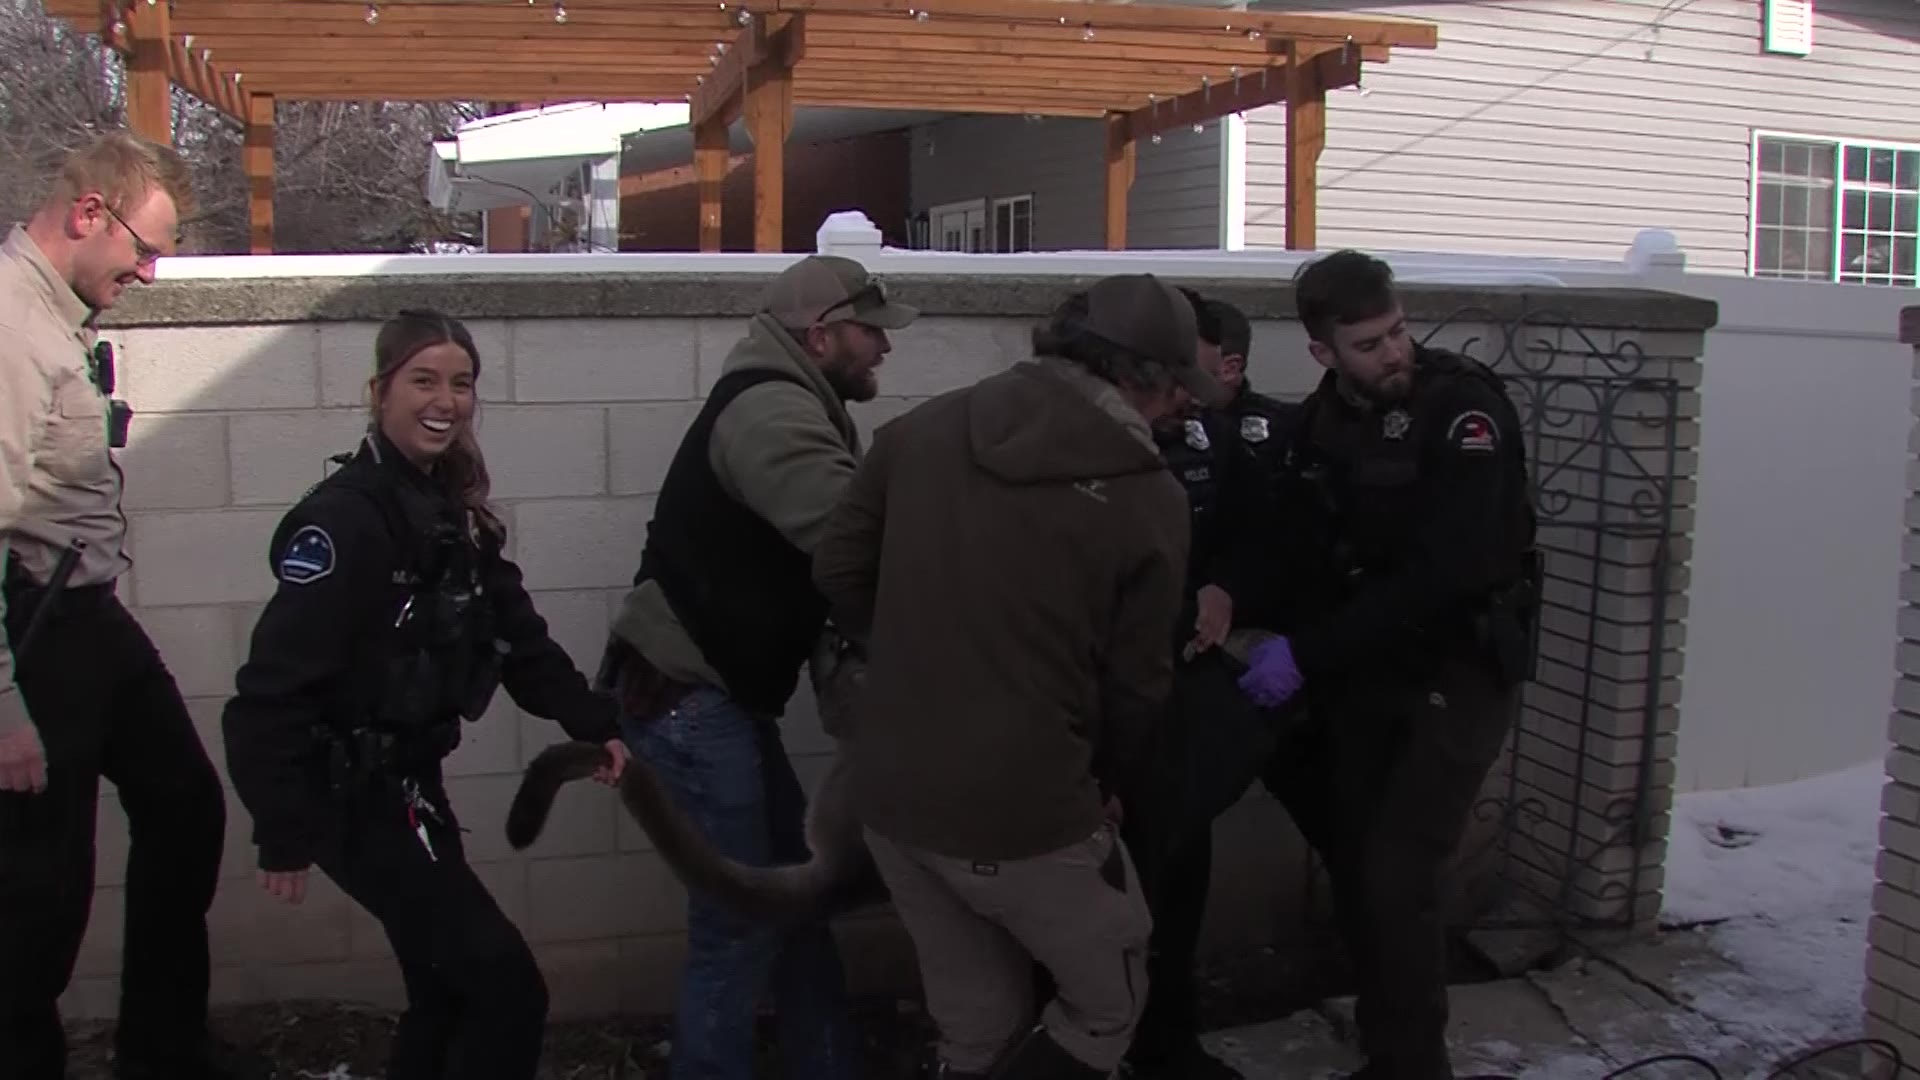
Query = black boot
x=1037 y=1057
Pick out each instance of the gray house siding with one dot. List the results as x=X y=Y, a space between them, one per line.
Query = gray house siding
x=1563 y=127
x=1060 y=162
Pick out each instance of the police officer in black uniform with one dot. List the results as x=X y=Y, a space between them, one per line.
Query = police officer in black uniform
x=1214 y=744
x=396 y=617
x=1407 y=560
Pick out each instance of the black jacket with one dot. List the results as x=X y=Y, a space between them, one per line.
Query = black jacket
x=1225 y=501
x=348 y=558
x=1403 y=521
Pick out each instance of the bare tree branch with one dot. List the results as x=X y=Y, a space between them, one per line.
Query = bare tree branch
x=348 y=176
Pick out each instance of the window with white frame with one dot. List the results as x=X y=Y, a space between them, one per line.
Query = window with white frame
x=1013 y=223
x=1836 y=210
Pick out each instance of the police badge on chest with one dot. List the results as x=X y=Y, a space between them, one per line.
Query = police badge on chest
x=1197 y=436
x=1395 y=424
x=1254 y=429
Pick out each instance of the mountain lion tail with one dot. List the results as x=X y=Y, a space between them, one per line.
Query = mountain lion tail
x=781 y=894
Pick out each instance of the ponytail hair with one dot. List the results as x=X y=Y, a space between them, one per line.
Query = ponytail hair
x=462 y=470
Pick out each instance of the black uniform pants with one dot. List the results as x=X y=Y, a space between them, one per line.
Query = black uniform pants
x=1383 y=790
x=1213 y=746
x=105 y=705
x=476 y=1000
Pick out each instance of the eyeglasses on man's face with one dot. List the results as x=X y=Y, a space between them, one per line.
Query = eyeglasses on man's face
x=145 y=253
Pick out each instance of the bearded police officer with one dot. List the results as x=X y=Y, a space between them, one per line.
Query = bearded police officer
x=83 y=693
x=1413 y=584
x=1213 y=745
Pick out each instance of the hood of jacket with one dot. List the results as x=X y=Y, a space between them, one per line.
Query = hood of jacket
x=768 y=345
x=1049 y=421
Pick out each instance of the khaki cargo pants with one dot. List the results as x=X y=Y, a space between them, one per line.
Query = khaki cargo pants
x=978 y=928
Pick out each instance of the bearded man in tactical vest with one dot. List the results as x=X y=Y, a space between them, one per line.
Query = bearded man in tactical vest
x=709 y=645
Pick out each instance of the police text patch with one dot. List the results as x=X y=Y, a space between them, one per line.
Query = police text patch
x=309 y=556
x=1473 y=432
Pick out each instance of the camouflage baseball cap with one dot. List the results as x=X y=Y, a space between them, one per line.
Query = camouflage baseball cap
x=1148 y=317
x=830 y=289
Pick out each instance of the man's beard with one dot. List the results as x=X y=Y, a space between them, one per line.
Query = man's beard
x=849 y=386
x=1375 y=395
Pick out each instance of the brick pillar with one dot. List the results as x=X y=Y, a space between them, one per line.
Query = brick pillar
x=1571 y=828
x=1892 y=995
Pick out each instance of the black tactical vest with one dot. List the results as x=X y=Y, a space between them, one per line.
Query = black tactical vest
x=742 y=590
x=442 y=659
x=1355 y=479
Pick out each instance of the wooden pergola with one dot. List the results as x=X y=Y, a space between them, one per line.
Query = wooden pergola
x=1143 y=68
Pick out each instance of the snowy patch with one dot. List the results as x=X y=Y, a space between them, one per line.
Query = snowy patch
x=1784 y=875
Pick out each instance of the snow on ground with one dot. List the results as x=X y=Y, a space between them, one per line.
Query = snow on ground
x=1785 y=875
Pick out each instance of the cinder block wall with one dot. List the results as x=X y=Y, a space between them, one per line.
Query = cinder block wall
x=242 y=388
x=1892 y=994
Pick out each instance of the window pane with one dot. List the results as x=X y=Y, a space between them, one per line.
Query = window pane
x=1797 y=207
x=1766 y=251
x=1855 y=216
x=1857 y=164
x=1907 y=175
x=1903 y=258
x=1906 y=213
x=1772 y=154
x=1880 y=167
x=1880 y=211
x=1852 y=255
x=1821 y=160
x=1819 y=254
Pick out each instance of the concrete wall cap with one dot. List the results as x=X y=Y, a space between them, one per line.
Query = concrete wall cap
x=213 y=301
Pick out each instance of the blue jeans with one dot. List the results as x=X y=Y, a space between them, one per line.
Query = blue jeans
x=729 y=771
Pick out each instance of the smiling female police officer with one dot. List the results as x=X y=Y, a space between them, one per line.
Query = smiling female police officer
x=396 y=615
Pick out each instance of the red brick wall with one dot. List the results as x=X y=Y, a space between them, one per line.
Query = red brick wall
x=660 y=211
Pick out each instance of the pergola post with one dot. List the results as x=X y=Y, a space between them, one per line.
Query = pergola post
x=710 y=157
x=753 y=78
x=1306 y=138
x=1121 y=156
x=769 y=110
x=149 y=87
x=257 y=159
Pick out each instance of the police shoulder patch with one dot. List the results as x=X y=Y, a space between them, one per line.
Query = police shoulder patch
x=1473 y=432
x=309 y=556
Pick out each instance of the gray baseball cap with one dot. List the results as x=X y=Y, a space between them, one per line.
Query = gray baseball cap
x=830 y=289
x=1147 y=316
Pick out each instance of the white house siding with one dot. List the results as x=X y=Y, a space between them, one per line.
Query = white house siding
x=1562 y=127
x=1061 y=162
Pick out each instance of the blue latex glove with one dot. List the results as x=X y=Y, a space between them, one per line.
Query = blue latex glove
x=1272 y=677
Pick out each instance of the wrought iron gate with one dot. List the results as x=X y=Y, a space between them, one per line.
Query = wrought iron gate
x=1559 y=838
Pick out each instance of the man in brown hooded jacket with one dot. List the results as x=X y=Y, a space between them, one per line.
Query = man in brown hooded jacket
x=1011 y=558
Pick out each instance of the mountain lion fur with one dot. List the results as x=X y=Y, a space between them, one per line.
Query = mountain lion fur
x=839 y=875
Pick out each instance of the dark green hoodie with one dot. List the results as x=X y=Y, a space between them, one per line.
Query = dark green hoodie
x=1013 y=555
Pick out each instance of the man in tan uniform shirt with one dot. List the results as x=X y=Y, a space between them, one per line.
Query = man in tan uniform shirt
x=83 y=693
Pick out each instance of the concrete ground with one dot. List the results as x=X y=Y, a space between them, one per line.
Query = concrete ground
x=1617 y=1003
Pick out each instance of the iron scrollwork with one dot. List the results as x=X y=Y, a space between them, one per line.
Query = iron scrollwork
x=1553 y=844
